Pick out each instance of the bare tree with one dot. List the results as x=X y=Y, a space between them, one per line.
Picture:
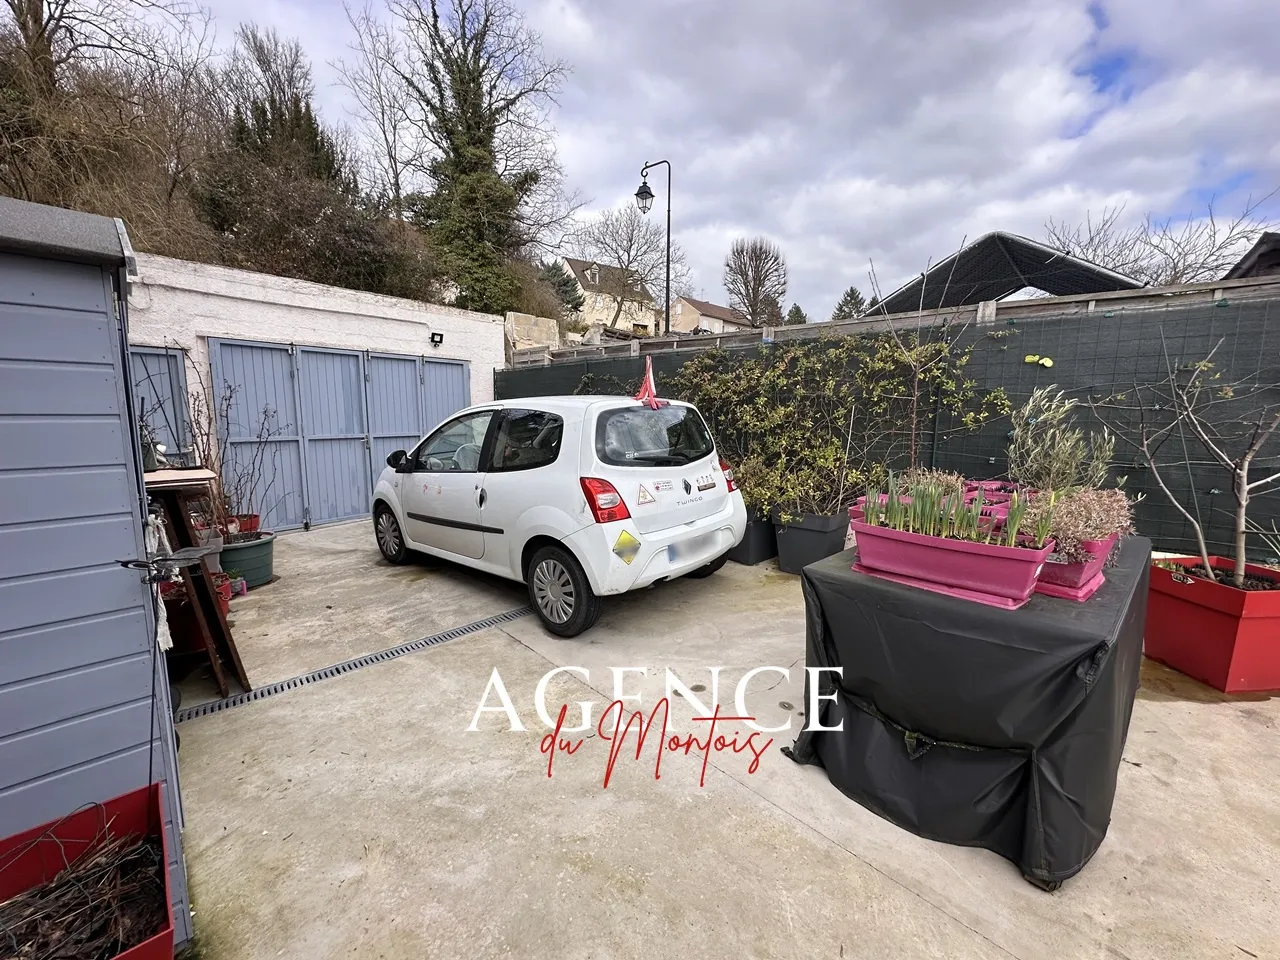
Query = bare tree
x=1163 y=252
x=1235 y=422
x=632 y=251
x=384 y=101
x=55 y=35
x=755 y=274
x=104 y=110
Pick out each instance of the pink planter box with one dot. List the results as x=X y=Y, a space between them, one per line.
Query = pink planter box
x=988 y=573
x=1077 y=581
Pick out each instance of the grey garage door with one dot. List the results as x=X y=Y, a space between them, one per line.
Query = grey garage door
x=321 y=422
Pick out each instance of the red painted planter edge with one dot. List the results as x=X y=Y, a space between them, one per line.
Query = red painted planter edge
x=1222 y=597
x=139 y=812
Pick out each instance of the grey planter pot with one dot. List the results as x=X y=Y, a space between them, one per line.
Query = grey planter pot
x=253 y=559
x=759 y=542
x=809 y=539
x=211 y=538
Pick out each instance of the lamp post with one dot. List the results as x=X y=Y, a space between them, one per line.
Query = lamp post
x=644 y=200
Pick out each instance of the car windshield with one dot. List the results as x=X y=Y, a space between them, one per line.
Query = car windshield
x=670 y=436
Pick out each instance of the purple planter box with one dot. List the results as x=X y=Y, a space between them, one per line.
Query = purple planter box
x=989 y=573
x=1077 y=581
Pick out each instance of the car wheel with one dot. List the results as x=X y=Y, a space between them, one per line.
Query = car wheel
x=560 y=592
x=390 y=540
x=709 y=569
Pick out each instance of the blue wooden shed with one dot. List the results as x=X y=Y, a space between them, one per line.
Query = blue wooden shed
x=84 y=698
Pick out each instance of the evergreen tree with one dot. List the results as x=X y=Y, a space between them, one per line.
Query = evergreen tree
x=477 y=81
x=796 y=316
x=567 y=290
x=851 y=305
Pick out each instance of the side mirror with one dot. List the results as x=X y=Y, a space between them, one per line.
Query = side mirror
x=395 y=458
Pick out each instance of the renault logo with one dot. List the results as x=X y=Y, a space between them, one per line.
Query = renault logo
x=688 y=487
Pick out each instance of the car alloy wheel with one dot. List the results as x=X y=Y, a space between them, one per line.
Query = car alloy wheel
x=553 y=590
x=388 y=532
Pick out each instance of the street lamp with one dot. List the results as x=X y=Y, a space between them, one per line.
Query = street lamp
x=644 y=200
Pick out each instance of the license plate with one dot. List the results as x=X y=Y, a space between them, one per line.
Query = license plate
x=693 y=547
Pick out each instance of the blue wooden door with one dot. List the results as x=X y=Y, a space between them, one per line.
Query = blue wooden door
x=395 y=407
x=446 y=389
x=335 y=434
x=315 y=425
x=256 y=409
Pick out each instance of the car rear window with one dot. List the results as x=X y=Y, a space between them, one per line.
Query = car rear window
x=670 y=436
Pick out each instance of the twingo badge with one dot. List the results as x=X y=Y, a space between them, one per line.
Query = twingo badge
x=626 y=547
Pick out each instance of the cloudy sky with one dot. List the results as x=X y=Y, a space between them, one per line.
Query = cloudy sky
x=852 y=131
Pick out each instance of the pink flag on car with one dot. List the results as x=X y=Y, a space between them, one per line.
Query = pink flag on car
x=648 y=392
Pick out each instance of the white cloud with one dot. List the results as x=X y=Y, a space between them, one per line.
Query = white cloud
x=855 y=130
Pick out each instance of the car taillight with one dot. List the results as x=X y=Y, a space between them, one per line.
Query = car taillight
x=603 y=499
x=728 y=476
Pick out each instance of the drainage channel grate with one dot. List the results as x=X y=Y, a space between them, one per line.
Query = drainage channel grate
x=338 y=669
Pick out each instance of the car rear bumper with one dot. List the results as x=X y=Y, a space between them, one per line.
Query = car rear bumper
x=704 y=539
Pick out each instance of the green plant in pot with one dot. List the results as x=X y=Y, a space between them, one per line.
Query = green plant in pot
x=938 y=537
x=1047 y=451
x=1215 y=618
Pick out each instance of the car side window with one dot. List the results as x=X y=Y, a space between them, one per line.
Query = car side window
x=455 y=447
x=527 y=439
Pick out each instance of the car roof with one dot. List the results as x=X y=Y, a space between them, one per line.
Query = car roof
x=566 y=404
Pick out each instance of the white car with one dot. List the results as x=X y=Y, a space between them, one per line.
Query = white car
x=578 y=497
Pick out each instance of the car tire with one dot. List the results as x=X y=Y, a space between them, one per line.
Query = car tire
x=709 y=569
x=560 y=593
x=386 y=528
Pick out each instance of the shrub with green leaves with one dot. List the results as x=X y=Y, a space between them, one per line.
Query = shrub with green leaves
x=806 y=424
x=1048 y=452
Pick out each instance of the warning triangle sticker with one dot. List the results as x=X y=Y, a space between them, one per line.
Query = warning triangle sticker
x=645 y=495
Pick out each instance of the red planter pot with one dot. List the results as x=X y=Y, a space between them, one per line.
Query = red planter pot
x=1077 y=581
x=1227 y=638
x=222 y=586
x=37 y=855
x=987 y=573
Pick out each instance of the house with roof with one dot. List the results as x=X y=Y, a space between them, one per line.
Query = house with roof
x=698 y=316
x=613 y=298
x=1262 y=260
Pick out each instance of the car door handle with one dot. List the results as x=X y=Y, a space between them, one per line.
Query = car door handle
x=481 y=498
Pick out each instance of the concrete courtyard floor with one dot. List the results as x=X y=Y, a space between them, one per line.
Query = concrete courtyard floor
x=358 y=817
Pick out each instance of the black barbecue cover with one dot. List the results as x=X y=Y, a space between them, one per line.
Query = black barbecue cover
x=974 y=725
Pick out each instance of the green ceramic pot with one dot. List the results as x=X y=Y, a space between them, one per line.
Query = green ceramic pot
x=252 y=558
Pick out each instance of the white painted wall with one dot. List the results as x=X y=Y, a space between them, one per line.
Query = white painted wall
x=182 y=304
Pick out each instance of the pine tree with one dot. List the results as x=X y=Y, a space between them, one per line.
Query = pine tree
x=796 y=316
x=566 y=288
x=851 y=305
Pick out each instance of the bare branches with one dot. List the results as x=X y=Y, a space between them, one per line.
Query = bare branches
x=385 y=101
x=632 y=251
x=755 y=274
x=1237 y=425
x=1199 y=248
